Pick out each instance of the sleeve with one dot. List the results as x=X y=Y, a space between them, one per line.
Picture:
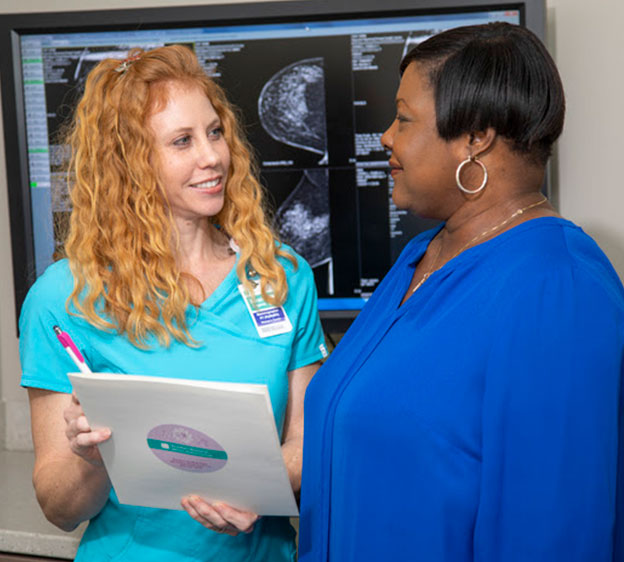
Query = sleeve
x=618 y=531
x=308 y=343
x=44 y=362
x=552 y=415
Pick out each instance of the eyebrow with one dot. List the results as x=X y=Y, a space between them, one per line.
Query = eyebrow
x=214 y=123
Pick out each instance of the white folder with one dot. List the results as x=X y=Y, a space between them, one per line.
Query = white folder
x=174 y=437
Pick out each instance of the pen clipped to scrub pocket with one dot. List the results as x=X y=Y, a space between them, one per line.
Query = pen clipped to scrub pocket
x=72 y=350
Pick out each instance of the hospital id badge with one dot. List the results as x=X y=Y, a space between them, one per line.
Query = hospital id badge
x=268 y=319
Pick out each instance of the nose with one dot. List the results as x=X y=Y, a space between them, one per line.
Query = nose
x=207 y=154
x=388 y=136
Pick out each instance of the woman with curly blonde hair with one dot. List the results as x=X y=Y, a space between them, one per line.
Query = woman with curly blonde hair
x=167 y=238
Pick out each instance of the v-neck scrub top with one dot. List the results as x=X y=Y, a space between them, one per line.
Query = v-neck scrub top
x=230 y=350
x=481 y=421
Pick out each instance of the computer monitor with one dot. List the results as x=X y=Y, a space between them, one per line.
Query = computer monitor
x=315 y=81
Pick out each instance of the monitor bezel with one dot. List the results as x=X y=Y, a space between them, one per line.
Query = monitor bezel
x=13 y=26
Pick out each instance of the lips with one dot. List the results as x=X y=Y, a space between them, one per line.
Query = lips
x=394 y=167
x=208 y=186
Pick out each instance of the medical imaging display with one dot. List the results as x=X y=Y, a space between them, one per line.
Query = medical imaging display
x=314 y=98
x=303 y=218
x=291 y=106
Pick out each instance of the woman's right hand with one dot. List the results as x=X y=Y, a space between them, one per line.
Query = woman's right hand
x=83 y=440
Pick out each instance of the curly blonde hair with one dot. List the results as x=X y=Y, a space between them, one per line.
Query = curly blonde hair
x=121 y=243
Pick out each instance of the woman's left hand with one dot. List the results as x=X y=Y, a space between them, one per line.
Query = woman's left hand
x=219 y=517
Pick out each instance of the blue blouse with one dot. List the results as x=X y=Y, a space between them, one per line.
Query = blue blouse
x=481 y=420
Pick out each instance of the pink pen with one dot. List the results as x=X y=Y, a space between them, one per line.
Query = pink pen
x=72 y=350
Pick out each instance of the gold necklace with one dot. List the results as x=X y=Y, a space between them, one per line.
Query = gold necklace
x=475 y=239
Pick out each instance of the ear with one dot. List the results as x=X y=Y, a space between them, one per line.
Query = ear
x=479 y=142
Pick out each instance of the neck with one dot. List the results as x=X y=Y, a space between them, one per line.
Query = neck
x=473 y=224
x=204 y=254
x=473 y=214
x=198 y=242
x=513 y=183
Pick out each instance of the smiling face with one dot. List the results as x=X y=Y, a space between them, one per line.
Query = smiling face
x=192 y=154
x=422 y=164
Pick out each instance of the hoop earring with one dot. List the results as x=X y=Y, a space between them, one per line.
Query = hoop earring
x=458 y=172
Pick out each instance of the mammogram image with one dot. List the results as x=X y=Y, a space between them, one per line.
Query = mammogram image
x=89 y=59
x=302 y=220
x=291 y=106
x=413 y=39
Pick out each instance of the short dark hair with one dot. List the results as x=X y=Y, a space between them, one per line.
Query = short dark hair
x=495 y=75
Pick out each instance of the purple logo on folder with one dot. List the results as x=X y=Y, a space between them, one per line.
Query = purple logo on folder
x=269 y=316
x=186 y=448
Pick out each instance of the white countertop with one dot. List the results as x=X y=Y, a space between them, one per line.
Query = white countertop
x=23 y=528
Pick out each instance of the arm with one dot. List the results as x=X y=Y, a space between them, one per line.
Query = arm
x=70 y=480
x=550 y=425
x=224 y=518
x=292 y=446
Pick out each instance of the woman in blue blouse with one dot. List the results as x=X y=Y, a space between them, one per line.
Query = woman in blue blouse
x=474 y=410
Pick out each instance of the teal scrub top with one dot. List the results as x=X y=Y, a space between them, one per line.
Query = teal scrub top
x=229 y=350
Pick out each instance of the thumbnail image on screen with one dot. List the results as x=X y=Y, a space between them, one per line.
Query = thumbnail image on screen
x=315 y=99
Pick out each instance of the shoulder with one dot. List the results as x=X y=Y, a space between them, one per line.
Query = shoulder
x=551 y=309
x=417 y=245
x=557 y=254
x=46 y=300
x=45 y=307
x=57 y=272
x=300 y=269
x=302 y=293
x=53 y=286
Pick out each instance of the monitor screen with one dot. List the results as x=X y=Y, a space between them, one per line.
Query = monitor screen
x=316 y=93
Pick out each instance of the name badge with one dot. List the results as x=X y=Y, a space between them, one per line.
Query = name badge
x=268 y=319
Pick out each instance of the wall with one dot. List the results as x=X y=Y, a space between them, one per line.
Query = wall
x=586 y=40
x=583 y=37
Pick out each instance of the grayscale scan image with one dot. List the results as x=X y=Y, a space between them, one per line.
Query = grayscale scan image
x=89 y=58
x=413 y=39
x=291 y=106
x=303 y=218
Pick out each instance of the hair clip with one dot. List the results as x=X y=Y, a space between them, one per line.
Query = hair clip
x=126 y=63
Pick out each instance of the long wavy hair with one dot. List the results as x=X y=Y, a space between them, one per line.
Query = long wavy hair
x=122 y=241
